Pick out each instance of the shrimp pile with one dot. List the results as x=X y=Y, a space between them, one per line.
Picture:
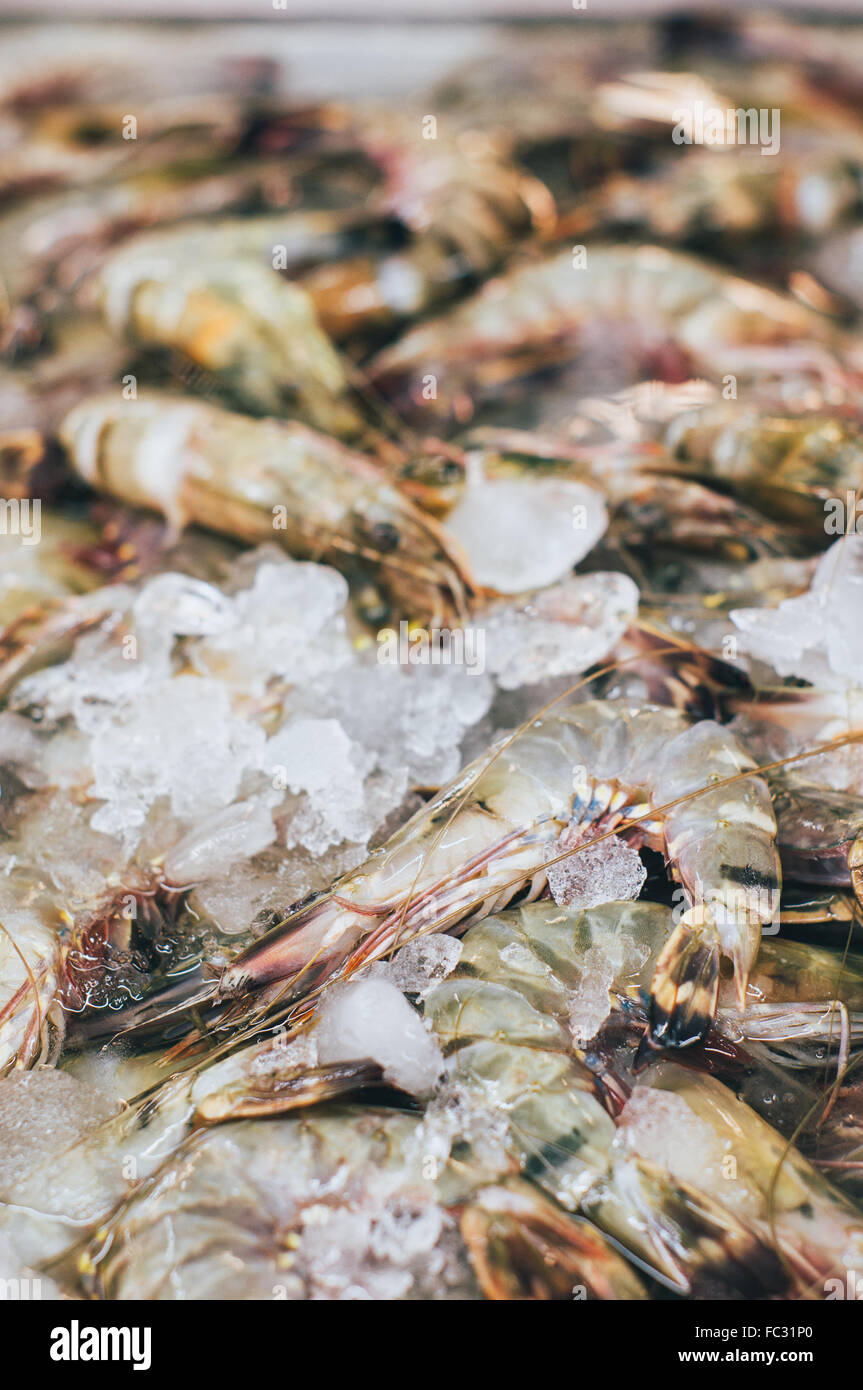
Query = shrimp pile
x=431 y=666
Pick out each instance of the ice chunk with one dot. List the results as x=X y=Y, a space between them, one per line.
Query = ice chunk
x=258 y=892
x=288 y=623
x=372 y=1019
x=183 y=743
x=83 y=866
x=818 y=635
x=239 y=832
x=561 y=630
x=405 y=1230
x=311 y=596
x=42 y=1113
x=590 y=1002
x=335 y=1246
x=464 y=1114
x=232 y=901
x=660 y=1126
x=310 y=754
x=95 y=678
x=168 y=738
x=411 y=721
x=379 y=1248
x=315 y=756
x=421 y=963
x=182 y=606
x=524 y=533
x=434 y=711
x=66 y=759
x=604 y=872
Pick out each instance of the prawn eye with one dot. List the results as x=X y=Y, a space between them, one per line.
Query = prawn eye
x=384 y=536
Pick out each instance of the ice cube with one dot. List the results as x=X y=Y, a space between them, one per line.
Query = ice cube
x=524 y=533
x=232 y=900
x=406 y=1230
x=371 y=1018
x=604 y=872
x=309 y=754
x=412 y=721
x=561 y=630
x=182 y=742
x=95 y=678
x=42 y=1113
x=315 y=756
x=182 y=606
x=421 y=963
x=289 y=622
x=589 y=1004
x=816 y=636
x=218 y=841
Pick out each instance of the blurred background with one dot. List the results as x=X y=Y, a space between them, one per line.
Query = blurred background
x=419 y=10
x=329 y=45
x=414 y=9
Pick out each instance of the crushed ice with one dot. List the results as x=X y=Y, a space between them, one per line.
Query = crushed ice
x=43 y=1113
x=817 y=635
x=420 y=964
x=561 y=630
x=605 y=872
x=245 y=715
x=662 y=1127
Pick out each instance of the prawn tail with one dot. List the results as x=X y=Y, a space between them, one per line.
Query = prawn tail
x=680 y=1236
x=685 y=986
x=522 y=1246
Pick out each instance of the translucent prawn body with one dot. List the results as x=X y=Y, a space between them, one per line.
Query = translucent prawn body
x=537 y=314
x=575 y=774
x=261 y=480
x=357 y=1180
